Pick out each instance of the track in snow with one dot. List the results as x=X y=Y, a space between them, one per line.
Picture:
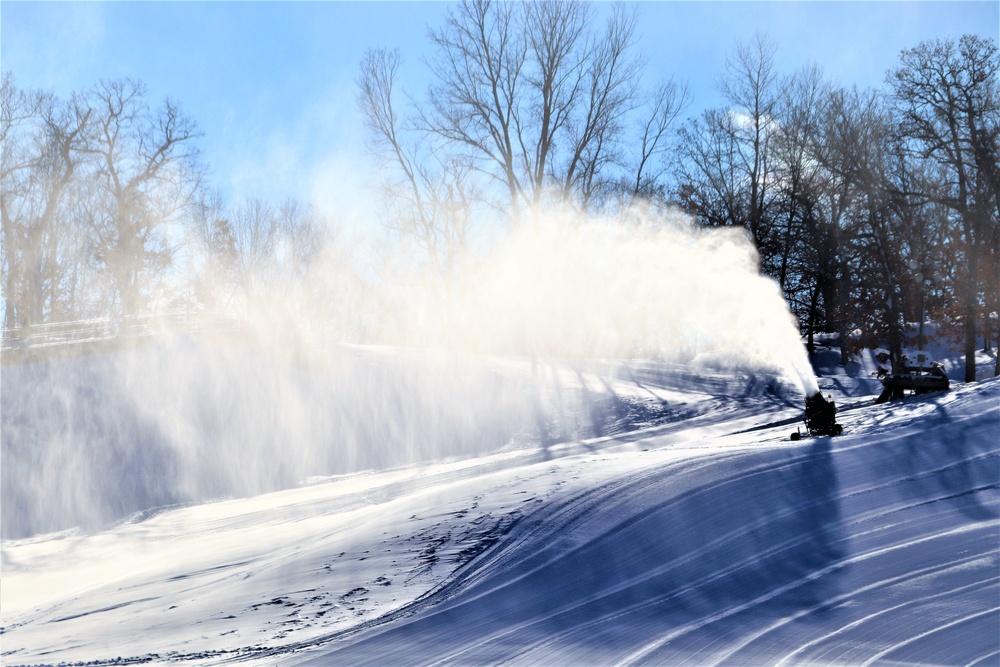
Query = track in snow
x=877 y=547
x=708 y=541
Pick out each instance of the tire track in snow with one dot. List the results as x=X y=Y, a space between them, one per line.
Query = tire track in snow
x=556 y=517
x=959 y=621
x=640 y=485
x=503 y=565
x=988 y=527
x=638 y=656
x=982 y=659
x=793 y=657
x=592 y=598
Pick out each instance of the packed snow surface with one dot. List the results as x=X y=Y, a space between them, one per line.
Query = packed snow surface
x=701 y=535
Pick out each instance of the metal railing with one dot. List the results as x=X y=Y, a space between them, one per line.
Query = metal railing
x=134 y=326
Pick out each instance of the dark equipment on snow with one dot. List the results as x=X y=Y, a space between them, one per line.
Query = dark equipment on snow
x=820 y=417
x=919 y=376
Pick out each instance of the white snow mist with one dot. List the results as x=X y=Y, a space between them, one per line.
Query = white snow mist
x=642 y=284
x=523 y=346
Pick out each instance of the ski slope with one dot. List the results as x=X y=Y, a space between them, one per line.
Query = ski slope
x=701 y=535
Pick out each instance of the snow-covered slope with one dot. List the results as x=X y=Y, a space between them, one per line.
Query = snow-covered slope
x=90 y=440
x=878 y=546
x=705 y=536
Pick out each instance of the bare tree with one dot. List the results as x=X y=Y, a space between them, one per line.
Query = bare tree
x=665 y=106
x=149 y=174
x=302 y=236
x=17 y=109
x=255 y=229
x=797 y=173
x=555 y=76
x=43 y=141
x=753 y=87
x=947 y=94
x=808 y=245
x=710 y=184
x=264 y=255
x=886 y=225
x=536 y=99
x=726 y=160
x=430 y=201
x=477 y=102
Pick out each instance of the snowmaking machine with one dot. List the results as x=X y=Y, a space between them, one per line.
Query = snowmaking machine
x=916 y=373
x=820 y=417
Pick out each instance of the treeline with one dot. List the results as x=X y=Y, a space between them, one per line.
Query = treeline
x=107 y=213
x=870 y=208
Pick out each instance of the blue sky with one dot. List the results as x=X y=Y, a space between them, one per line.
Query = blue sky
x=271 y=83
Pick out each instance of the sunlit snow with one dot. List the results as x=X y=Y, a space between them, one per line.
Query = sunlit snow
x=676 y=524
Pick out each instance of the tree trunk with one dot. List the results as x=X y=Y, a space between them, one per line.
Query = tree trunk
x=971 y=310
x=813 y=306
x=996 y=356
x=11 y=279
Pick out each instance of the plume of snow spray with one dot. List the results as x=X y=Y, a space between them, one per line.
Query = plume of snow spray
x=642 y=284
x=89 y=439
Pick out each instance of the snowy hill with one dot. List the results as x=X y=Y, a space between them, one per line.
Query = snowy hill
x=623 y=513
x=91 y=439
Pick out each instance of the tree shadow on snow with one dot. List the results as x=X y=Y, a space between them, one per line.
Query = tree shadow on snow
x=948 y=461
x=677 y=548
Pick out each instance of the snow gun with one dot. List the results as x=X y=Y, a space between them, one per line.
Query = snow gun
x=820 y=417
